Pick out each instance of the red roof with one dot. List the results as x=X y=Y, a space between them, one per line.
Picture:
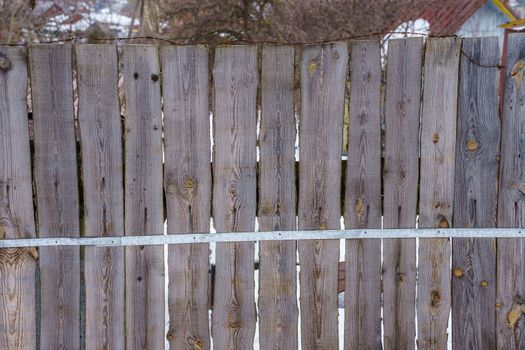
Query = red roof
x=445 y=16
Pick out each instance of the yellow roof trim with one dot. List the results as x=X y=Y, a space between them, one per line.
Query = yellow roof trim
x=513 y=24
x=501 y=6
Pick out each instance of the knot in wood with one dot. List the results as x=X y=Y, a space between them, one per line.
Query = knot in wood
x=266 y=209
x=401 y=109
x=5 y=63
x=435 y=298
x=484 y=283
x=517 y=72
x=233 y=323
x=472 y=145
x=170 y=336
x=458 y=272
x=33 y=252
x=435 y=137
x=189 y=183
x=312 y=66
x=443 y=222
x=514 y=315
x=360 y=208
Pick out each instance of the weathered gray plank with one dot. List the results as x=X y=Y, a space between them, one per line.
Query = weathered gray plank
x=234 y=194
x=510 y=289
x=475 y=196
x=143 y=208
x=101 y=148
x=187 y=183
x=400 y=175
x=56 y=186
x=323 y=75
x=17 y=266
x=436 y=193
x=277 y=288
x=363 y=199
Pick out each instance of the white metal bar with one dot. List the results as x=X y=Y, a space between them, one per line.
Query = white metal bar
x=264 y=236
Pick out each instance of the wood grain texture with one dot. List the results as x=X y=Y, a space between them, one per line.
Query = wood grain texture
x=101 y=148
x=234 y=194
x=277 y=287
x=510 y=289
x=143 y=208
x=56 y=184
x=475 y=197
x=187 y=183
x=363 y=199
x=17 y=266
x=436 y=193
x=323 y=70
x=400 y=175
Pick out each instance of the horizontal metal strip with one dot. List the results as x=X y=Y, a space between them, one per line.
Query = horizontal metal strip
x=264 y=236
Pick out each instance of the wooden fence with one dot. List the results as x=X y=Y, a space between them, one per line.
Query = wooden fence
x=449 y=159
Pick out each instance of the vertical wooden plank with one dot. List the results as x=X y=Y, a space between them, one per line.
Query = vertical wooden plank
x=323 y=77
x=475 y=196
x=436 y=193
x=143 y=209
x=277 y=288
x=101 y=148
x=56 y=186
x=363 y=199
x=17 y=266
x=510 y=290
x=187 y=183
x=234 y=202
x=401 y=174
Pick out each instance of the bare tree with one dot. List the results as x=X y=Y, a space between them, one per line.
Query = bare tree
x=218 y=21
x=277 y=20
x=13 y=13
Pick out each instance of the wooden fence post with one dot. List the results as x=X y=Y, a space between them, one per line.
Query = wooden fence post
x=234 y=194
x=187 y=184
x=56 y=184
x=401 y=175
x=143 y=210
x=278 y=311
x=363 y=199
x=323 y=75
x=17 y=266
x=101 y=149
x=510 y=290
x=436 y=191
x=475 y=196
